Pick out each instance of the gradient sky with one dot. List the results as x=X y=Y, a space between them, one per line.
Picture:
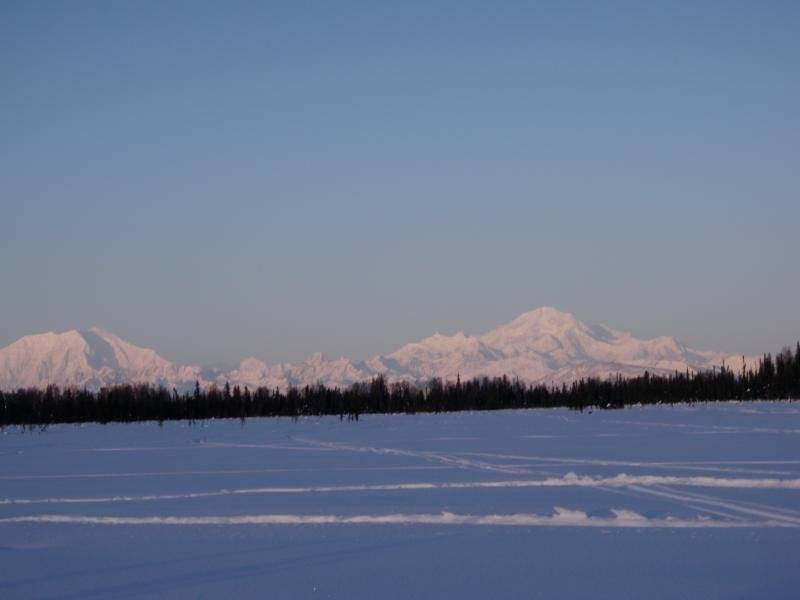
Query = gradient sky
x=224 y=179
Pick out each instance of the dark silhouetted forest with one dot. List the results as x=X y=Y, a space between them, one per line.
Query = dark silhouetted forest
x=774 y=378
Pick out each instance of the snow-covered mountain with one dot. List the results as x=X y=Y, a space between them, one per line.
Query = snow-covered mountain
x=91 y=358
x=544 y=345
x=315 y=369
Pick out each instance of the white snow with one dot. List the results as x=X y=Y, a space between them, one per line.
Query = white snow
x=630 y=503
x=543 y=345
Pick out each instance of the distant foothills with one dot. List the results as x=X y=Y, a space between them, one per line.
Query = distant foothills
x=543 y=346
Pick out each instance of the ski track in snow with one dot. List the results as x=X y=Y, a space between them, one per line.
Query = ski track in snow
x=636 y=482
x=694 y=495
x=204 y=446
x=560 y=518
x=457 y=460
x=689 y=466
x=768 y=513
x=447 y=459
x=709 y=429
x=218 y=472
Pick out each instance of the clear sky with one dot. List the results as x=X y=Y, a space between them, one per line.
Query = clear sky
x=224 y=179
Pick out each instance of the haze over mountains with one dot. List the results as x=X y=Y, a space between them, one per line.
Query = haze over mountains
x=543 y=345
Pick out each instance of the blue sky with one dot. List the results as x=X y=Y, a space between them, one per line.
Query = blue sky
x=218 y=180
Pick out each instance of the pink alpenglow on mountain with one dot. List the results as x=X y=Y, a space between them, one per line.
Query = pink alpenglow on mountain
x=544 y=345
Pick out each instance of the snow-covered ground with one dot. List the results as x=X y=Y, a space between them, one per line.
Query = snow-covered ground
x=653 y=502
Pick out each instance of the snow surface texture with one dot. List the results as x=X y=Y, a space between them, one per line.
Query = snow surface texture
x=692 y=501
x=544 y=345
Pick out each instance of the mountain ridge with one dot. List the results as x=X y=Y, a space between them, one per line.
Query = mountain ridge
x=544 y=345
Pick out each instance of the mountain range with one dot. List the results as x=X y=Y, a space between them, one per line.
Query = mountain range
x=541 y=346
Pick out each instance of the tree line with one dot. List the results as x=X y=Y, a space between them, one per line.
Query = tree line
x=774 y=378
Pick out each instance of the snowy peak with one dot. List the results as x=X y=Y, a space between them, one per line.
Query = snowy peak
x=444 y=356
x=317 y=368
x=317 y=359
x=49 y=358
x=542 y=331
x=564 y=342
x=438 y=344
x=545 y=319
x=90 y=358
x=544 y=345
